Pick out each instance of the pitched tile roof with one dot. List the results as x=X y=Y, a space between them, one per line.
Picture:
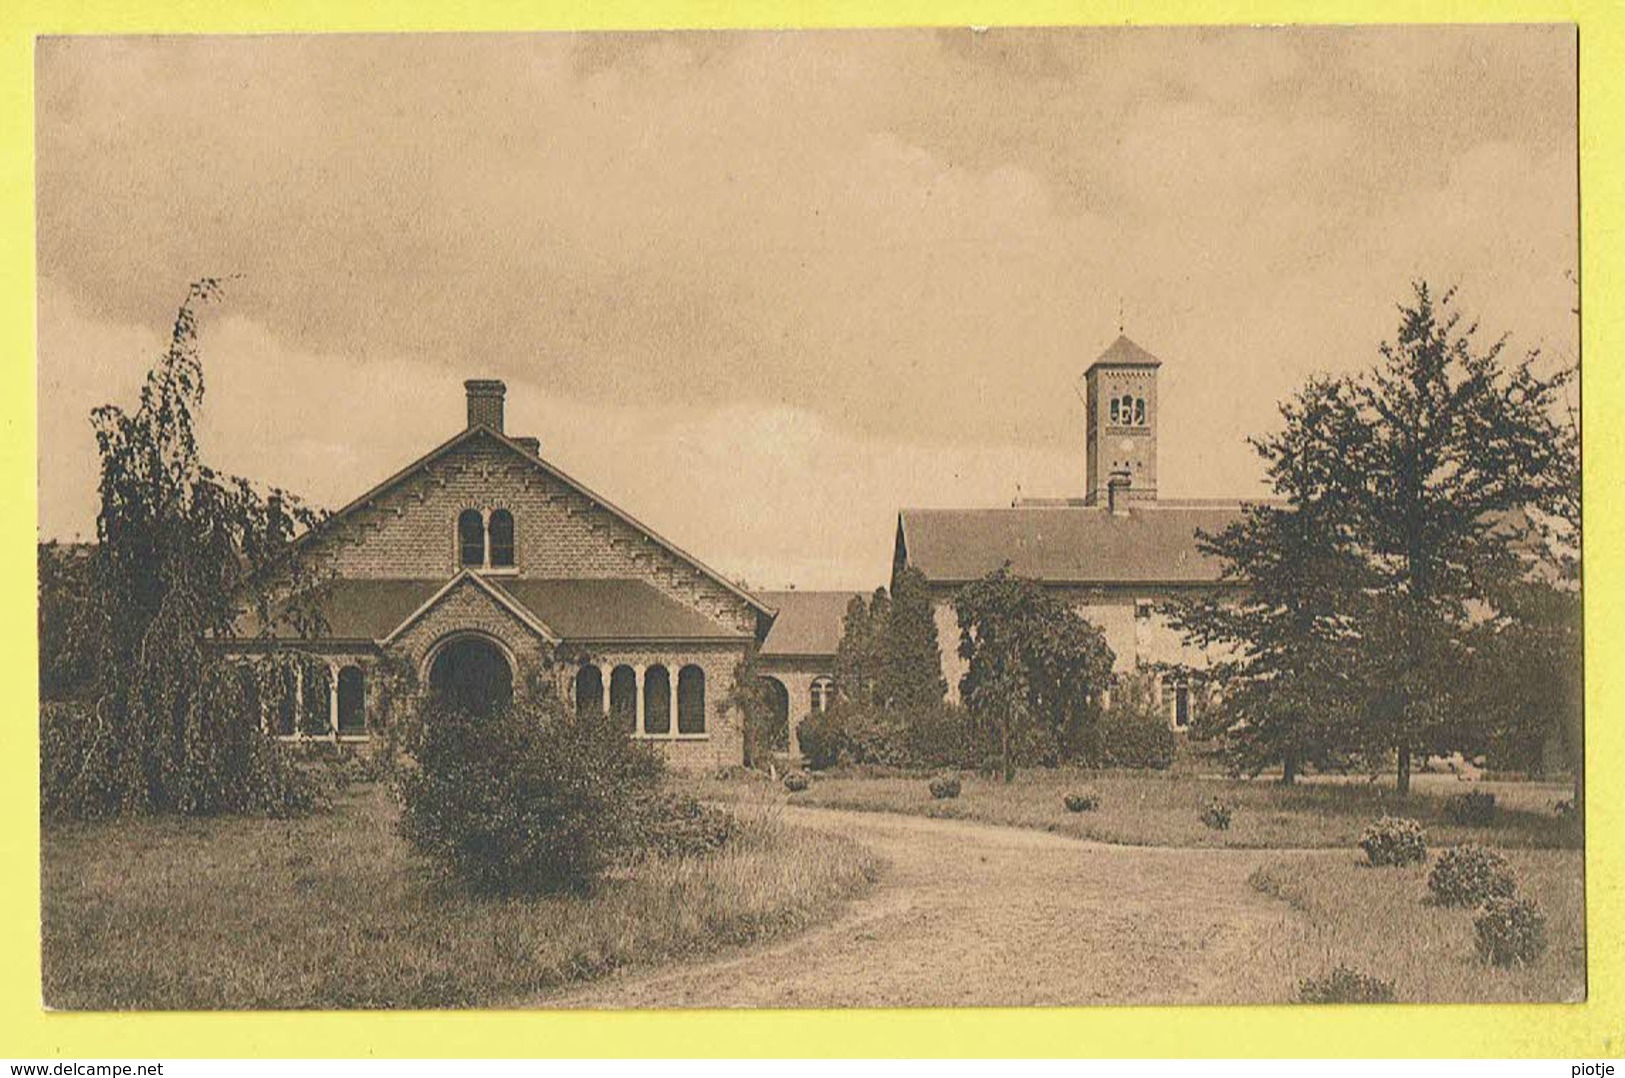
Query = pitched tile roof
x=611 y=610
x=1064 y=545
x=588 y=610
x=1125 y=353
x=807 y=623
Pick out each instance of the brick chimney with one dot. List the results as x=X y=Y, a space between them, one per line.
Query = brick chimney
x=485 y=403
x=533 y=446
x=1117 y=492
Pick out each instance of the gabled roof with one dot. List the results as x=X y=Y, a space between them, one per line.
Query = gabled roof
x=1063 y=545
x=607 y=610
x=471 y=579
x=808 y=622
x=364 y=610
x=535 y=461
x=1124 y=353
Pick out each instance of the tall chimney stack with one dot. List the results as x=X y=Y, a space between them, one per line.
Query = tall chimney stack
x=485 y=403
x=1117 y=492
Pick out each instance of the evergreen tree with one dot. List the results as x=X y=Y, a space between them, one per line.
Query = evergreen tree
x=912 y=668
x=1439 y=446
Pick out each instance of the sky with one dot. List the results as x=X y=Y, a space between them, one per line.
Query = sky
x=764 y=289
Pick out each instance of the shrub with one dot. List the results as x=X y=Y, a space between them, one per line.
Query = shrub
x=945 y=786
x=680 y=826
x=1216 y=815
x=820 y=735
x=1132 y=733
x=532 y=799
x=795 y=781
x=1474 y=809
x=1084 y=801
x=1345 y=985
x=1470 y=876
x=1510 y=931
x=1394 y=840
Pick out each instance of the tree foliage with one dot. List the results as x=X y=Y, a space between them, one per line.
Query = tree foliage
x=888 y=655
x=182 y=550
x=1371 y=587
x=1035 y=666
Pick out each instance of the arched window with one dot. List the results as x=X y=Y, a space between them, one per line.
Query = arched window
x=1117 y=410
x=589 y=691
x=501 y=537
x=471 y=538
x=623 y=696
x=656 y=701
x=823 y=694
x=1128 y=409
x=285 y=702
x=778 y=697
x=1139 y=411
x=352 y=701
x=691 y=700
x=1182 y=707
x=315 y=701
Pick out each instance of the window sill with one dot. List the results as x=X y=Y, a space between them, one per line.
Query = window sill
x=671 y=737
x=346 y=738
x=496 y=570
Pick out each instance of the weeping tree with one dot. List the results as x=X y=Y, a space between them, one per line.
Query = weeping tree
x=184 y=555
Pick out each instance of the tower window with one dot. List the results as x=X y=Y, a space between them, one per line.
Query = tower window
x=1117 y=407
x=1139 y=411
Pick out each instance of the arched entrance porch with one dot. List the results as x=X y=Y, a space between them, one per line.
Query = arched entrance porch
x=471 y=673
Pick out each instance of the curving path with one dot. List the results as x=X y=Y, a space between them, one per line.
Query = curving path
x=969 y=914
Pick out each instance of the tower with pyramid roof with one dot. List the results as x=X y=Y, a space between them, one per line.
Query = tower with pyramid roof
x=1120 y=395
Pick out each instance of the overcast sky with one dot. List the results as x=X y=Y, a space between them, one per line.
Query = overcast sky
x=764 y=289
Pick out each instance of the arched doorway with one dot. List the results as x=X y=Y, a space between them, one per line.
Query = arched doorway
x=472 y=674
x=779 y=699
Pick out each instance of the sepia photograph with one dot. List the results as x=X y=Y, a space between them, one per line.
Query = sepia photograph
x=870 y=518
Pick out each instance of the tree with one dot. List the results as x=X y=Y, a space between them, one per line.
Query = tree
x=1035 y=666
x=181 y=551
x=911 y=661
x=859 y=659
x=1281 y=641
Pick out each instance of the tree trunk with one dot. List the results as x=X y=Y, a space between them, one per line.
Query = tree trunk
x=1402 y=781
x=1289 y=769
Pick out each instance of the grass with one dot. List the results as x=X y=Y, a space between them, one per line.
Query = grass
x=1161 y=809
x=333 y=911
x=1375 y=920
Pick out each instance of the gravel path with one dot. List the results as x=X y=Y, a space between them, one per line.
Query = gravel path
x=968 y=914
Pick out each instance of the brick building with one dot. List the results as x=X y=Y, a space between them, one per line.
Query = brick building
x=481 y=559
x=1115 y=554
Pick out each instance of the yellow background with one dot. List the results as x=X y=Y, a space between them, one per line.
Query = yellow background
x=1595 y=1028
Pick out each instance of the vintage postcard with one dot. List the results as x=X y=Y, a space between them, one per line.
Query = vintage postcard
x=810 y=519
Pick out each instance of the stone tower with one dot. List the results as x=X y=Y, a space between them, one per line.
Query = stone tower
x=1120 y=395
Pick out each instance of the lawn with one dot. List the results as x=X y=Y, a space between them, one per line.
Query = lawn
x=333 y=911
x=1375 y=920
x=1162 y=809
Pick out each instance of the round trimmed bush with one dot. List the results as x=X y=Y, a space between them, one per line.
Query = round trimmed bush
x=1470 y=876
x=1473 y=809
x=1394 y=841
x=795 y=781
x=1084 y=801
x=1216 y=815
x=1345 y=985
x=1510 y=931
x=945 y=786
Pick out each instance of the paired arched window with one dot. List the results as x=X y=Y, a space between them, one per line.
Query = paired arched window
x=823 y=694
x=1128 y=411
x=691 y=700
x=485 y=543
